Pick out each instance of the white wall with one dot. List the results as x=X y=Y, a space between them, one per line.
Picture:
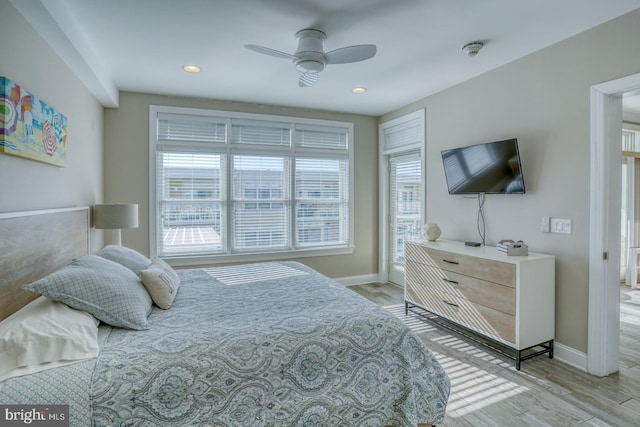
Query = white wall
x=29 y=185
x=543 y=100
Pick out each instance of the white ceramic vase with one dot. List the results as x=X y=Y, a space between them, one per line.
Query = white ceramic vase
x=431 y=232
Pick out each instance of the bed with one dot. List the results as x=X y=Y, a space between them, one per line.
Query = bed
x=266 y=344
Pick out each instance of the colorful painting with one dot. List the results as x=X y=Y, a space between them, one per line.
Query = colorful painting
x=29 y=127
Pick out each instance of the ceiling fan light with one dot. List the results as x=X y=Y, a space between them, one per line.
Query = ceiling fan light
x=309 y=66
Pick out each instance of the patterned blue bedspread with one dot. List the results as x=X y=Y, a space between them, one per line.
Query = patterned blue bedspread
x=273 y=344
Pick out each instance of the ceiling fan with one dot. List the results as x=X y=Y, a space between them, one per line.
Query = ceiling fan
x=310 y=57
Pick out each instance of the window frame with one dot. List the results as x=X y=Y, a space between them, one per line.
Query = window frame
x=230 y=150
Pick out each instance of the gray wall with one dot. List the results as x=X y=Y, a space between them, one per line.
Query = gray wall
x=542 y=99
x=25 y=184
x=126 y=166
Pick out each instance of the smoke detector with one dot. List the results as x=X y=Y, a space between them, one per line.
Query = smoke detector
x=472 y=48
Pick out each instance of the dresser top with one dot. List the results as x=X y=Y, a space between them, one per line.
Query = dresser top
x=487 y=252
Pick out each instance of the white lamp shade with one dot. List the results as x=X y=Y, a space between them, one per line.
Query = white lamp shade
x=115 y=216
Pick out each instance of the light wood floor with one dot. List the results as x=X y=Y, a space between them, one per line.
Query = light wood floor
x=486 y=390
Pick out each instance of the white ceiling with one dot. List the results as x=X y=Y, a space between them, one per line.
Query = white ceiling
x=141 y=45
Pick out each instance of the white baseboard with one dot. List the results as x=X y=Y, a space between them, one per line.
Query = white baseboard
x=357 y=280
x=570 y=356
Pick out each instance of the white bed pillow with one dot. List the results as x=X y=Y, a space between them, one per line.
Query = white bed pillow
x=161 y=281
x=45 y=334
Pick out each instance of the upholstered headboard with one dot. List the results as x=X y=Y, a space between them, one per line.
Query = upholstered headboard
x=34 y=244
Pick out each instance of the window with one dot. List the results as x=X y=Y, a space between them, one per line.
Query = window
x=257 y=224
x=190 y=202
x=321 y=202
x=239 y=185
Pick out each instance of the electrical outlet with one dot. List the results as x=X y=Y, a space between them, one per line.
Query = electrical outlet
x=562 y=226
x=545 y=227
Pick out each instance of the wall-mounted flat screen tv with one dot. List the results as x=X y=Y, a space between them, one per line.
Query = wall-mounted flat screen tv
x=491 y=168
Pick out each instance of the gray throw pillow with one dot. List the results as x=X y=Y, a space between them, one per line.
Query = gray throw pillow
x=130 y=258
x=103 y=288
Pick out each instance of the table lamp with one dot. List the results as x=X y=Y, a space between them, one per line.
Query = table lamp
x=115 y=217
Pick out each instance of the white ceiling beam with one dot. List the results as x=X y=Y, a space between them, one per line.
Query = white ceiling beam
x=54 y=22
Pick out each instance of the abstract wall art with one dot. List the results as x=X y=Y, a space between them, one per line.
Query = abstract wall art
x=29 y=127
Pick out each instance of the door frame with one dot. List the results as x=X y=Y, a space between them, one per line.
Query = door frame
x=603 y=346
x=383 y=185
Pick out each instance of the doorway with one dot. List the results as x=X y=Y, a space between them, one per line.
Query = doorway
x=405 y=209
x=402 y=207
x=630 y=211
x=605 y=204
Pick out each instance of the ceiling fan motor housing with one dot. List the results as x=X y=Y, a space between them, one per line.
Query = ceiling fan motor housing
x=310 y=40
x=310 y=53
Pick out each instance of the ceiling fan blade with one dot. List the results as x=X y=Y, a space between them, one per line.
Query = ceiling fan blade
x=349 y=54
x=268 y=51
x=307 y=79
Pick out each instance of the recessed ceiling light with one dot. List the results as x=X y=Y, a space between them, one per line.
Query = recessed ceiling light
x=191 y=68
x=359 y=90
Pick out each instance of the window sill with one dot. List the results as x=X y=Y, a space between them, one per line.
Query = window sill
x=197 y=260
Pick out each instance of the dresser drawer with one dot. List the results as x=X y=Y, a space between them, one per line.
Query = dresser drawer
x=432 y=300
x=480 y=268
x=477 y=317
x=488 y=294
x=487 y=320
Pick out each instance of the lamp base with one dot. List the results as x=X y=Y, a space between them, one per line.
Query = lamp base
x=116 y=237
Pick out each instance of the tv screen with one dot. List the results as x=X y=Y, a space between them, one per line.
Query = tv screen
x=491 y=168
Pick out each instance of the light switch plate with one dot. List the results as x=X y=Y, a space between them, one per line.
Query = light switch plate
x=545 y=227
x=562 y=226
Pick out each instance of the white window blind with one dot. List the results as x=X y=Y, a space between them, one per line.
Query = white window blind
x=191 y=189
x=181 y=127
x=324 y=137
x=403 y=134
x=260 y=132
x=322 y=202
x=234 y=183
x=260 y=202
x=405 y=179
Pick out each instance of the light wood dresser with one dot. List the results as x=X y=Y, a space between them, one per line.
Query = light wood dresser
x=508 y=299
